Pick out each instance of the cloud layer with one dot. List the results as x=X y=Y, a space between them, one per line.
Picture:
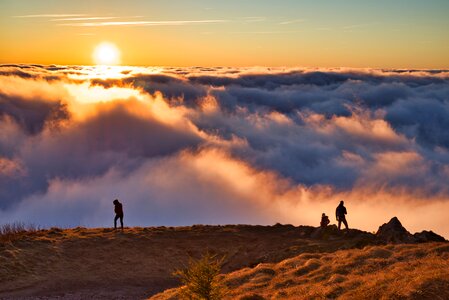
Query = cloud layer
x=223 y=145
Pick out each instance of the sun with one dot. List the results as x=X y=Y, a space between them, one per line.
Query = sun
x=106 y=54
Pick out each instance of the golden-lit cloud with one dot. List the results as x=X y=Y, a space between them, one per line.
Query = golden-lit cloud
x=223 y=145
x=10 y=168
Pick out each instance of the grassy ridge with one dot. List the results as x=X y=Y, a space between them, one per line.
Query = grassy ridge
x=262 y=262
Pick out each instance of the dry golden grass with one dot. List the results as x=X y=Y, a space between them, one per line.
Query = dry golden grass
x=273 y=262
x=418 y=271
x=101 y=263
x=15 y=231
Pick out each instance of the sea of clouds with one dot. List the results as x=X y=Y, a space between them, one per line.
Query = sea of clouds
x=181 y=146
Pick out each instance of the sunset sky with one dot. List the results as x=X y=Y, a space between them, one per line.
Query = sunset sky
x=224 y=112
x=350 y=33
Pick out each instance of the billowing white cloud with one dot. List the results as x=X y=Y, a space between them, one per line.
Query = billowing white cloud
x=223 y=145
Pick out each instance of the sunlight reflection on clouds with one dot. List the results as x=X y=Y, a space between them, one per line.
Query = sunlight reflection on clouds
x=219 y=145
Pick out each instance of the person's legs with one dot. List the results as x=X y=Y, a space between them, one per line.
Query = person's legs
x=346 y=223
x=115 y=221
x=339 y=223
x=121 y=221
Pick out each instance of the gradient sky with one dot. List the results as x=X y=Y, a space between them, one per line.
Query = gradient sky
x=352 y=33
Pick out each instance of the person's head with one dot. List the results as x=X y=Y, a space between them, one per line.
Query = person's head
x=342 y=202
x=323 y=215
x=115 y=201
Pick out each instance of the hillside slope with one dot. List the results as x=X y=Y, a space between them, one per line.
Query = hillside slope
x=138 y=263
x=402 y=271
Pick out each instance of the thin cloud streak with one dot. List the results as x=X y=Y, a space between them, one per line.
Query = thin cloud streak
x=358 y=26
x=51 y=16
x=143 y=23
x=254 y=19
x=86 y=18
x=292 y=21
x=265 y=32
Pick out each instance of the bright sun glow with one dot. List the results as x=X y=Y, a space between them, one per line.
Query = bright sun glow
x=106 y=54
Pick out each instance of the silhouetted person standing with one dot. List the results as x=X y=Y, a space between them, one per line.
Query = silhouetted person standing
x=340 y=214
x=324 y=221
x=118 y=209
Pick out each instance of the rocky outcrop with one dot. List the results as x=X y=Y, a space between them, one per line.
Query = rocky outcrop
x=428 y=236
x=391 y=232
x=394 y=232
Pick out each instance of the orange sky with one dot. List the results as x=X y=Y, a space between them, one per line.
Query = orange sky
x=403 y=34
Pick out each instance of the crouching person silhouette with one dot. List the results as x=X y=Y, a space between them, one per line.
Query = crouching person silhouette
x=340 y=214
x=118 y=209
x=324 y=221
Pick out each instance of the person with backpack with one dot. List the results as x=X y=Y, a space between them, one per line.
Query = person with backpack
x=340 y=214
x=118 y=209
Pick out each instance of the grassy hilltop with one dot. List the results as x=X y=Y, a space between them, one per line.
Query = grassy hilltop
x=261 y=262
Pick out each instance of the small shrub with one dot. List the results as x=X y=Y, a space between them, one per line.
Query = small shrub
x=13 y=231
x=201 y=279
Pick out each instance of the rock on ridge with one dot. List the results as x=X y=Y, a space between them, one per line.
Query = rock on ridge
x=394 y=232
x=428 y=236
